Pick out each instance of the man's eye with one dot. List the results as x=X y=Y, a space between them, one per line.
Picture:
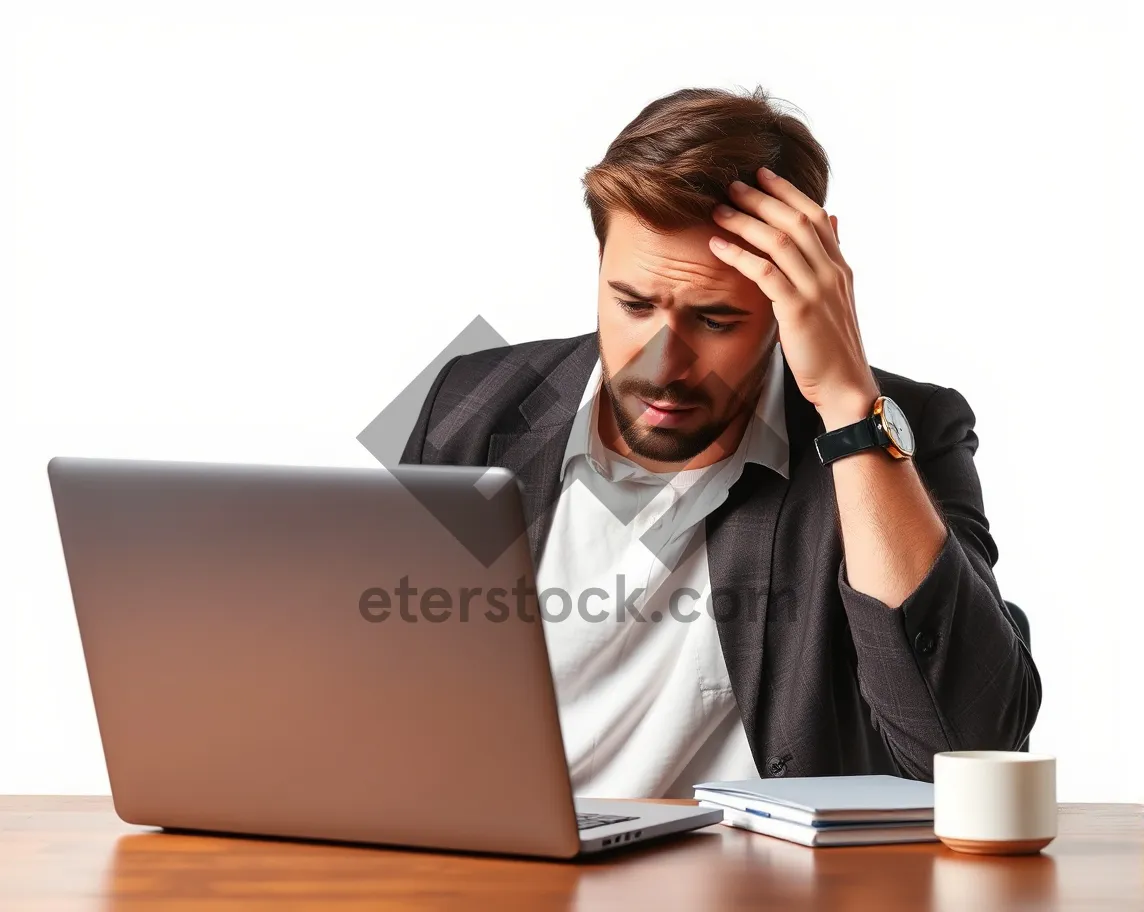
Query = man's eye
x=716 y=326
x=634 y=306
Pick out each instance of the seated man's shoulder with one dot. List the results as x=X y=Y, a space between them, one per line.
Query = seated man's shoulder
x=938 y=414
x=501 y=378
x=915 y=396
x=479 y=393
x=518 y=354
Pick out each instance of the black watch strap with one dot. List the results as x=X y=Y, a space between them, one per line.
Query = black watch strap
x=862 y=435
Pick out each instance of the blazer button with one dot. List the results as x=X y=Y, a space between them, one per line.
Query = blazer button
x=925 y=642
x=776 y=766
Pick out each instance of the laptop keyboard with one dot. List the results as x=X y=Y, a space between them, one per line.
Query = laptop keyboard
x=587 y=821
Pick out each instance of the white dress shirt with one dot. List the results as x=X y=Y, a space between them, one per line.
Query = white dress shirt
x=646 y=707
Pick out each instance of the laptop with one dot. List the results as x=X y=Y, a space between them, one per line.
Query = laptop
x=327 y=653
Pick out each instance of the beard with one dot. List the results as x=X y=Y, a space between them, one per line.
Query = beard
x=664 y=444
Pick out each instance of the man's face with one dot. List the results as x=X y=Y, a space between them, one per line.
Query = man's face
x=682 y=372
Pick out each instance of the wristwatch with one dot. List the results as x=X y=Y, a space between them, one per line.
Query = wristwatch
x=885 y=427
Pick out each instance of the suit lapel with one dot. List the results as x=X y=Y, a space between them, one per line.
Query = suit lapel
x=740 y=555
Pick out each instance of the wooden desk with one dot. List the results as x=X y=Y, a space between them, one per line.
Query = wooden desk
x=74 y=853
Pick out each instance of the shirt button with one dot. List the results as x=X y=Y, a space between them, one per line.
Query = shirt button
x=925 y=642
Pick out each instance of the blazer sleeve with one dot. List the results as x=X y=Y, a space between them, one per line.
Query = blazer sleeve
x=414 y=452
x=947 y=670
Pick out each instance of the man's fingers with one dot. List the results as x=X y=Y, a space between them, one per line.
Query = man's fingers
x=762 y=272
x=784 y=190
x=774 y=242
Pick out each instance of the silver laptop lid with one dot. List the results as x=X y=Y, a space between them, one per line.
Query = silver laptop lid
x=266 y=656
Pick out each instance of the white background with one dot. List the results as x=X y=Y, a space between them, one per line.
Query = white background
x=234 y=231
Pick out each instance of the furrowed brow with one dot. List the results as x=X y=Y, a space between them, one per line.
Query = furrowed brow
x=719 y=308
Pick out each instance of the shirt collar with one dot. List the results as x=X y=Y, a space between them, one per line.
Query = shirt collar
x=764 y=442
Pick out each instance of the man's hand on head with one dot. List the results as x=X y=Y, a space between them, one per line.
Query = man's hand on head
x=811 y=288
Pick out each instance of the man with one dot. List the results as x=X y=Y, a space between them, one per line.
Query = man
x=778 y=554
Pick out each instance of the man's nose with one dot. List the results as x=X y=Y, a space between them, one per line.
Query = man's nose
x=666 y=357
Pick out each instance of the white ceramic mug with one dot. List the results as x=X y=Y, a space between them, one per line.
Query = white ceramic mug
x=995 y=802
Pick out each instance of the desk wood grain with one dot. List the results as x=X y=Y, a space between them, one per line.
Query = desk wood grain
x=73 y=853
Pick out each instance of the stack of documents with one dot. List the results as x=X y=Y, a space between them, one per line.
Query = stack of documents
x=827 y=810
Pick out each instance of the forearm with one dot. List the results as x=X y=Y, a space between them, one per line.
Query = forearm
x=938 y=659
x=891 y=531
x=946 y=671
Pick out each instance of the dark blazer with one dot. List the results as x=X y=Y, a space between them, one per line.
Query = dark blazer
x=828 y=681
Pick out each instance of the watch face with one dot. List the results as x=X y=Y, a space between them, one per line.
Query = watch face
x=896 y=425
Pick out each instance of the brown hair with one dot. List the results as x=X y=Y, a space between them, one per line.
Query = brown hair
x=673 y=162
